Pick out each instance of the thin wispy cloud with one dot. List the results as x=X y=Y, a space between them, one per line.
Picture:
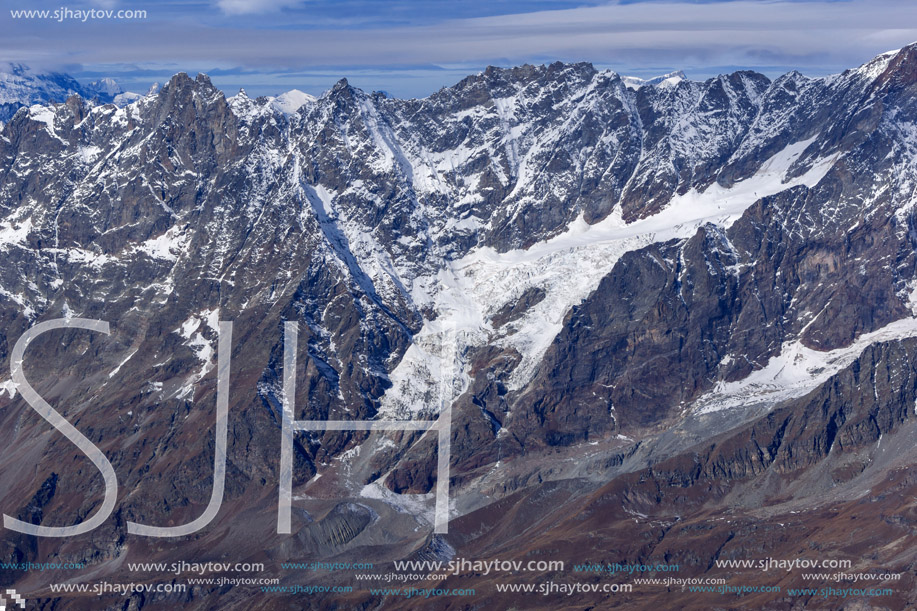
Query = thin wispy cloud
x=245 y=7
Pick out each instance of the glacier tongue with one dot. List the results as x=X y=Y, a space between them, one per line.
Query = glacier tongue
x=796 y=371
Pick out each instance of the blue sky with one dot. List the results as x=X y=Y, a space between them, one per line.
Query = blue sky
x=411 y=48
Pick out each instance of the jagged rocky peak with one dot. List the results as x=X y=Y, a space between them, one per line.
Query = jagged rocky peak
x=342 y=85
x=343 y=91
x=900 y=71
x=884 y=65
x=496 y=82
x=185 y=105
x=183 y=83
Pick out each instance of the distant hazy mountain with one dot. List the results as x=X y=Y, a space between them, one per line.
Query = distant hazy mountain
x=672 y=78
x=106 y=88
x=21 y=86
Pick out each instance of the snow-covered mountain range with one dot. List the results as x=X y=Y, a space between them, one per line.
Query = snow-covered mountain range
x=650 y=299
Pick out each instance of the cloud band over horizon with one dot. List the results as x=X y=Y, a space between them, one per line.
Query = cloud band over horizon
x=413 y=48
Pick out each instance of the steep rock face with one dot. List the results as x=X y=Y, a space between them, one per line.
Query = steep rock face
x=822 y=265
x=652 y=333
x=691 y=131
x=672 y=320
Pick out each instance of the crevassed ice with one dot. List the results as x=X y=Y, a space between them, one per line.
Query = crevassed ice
x=568 y=267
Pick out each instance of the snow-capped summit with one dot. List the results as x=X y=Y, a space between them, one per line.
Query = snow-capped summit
x=287 y=104
x=672 y=78
x=291 y=101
